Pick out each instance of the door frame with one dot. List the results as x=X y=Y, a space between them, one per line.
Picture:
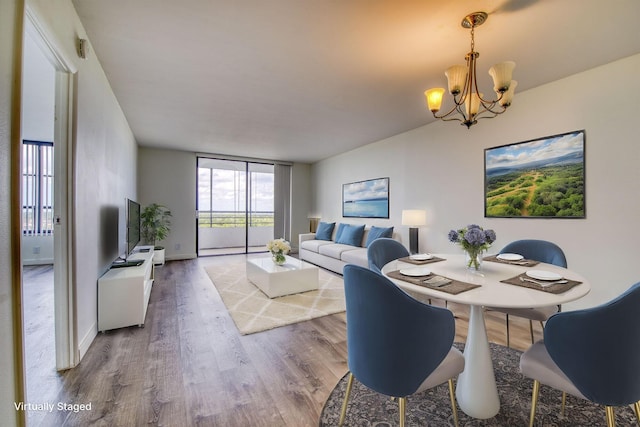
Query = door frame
x=67 y=354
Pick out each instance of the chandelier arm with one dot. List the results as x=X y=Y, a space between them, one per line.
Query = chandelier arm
x=448 y=113
x=493 y=105
x=491 y=113
x=459 y=99
x=492 y=102
x=445 y=119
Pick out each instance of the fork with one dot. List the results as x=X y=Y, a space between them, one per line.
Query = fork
x=543 y=284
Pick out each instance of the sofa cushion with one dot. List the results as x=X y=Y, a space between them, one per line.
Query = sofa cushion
x=314 y=245
x=334 y=250
x=351 y=235
x=325 y=230
x=377 y=232
x=357 y=256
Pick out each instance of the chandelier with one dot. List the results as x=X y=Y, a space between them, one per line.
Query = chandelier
x=470 y=104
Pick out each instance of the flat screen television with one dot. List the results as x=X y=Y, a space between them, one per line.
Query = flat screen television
x=133 y=225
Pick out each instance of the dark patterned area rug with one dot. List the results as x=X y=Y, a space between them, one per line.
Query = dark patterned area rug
x=433 y=408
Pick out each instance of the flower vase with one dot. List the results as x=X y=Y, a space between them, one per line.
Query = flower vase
x=278 y=258
x=473 y=259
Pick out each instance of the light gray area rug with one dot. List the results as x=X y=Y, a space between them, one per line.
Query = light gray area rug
x=252 y=311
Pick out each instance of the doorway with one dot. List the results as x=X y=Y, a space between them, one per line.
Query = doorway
x=235 y=206
x=47 y=100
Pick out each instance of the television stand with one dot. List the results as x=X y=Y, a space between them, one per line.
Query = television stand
x=123 y=293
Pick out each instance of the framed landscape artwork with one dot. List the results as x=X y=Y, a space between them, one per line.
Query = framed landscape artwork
x=540 y=178
x=366 y=199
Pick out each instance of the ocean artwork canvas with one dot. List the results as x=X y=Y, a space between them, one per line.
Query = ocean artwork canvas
x=366 y=199
x=539 y=178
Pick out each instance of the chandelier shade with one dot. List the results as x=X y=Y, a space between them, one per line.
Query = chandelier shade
x=470 y=104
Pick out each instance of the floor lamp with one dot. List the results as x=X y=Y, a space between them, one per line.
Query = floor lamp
x=414 y=218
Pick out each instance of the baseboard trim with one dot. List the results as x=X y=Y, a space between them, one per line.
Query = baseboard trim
x=43 y=261
x=180 y=257
x=86 y=341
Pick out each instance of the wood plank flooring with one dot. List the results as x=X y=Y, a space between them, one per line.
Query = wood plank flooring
x=188 y=366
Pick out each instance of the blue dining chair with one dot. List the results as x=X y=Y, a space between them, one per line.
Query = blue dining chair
x=397 y=346
x=384 y=250
x=593 y=354
x=538 y=250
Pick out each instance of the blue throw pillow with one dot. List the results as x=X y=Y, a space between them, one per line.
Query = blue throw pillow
x=340 y=230
x=377 y=232
x=351 y=235
x=324 y=230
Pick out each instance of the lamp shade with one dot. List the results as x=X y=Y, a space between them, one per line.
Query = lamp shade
x=457 y=76
x=434 y=98
x=472 y=104
x=507 y=97
x=501 y=74
x=414 y=217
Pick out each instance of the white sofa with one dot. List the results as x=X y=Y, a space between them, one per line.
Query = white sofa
x=331 y=255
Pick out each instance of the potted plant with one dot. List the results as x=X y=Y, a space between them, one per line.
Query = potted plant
x=155 y=224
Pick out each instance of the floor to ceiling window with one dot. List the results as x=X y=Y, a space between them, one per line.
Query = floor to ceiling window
x=235 y=206
x=37 y=188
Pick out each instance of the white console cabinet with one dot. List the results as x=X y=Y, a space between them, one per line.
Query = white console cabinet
x=123 y=293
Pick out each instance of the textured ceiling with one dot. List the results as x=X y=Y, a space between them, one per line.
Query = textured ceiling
x=304 y=80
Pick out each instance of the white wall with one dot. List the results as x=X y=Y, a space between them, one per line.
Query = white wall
x=105 y=159
x=38 y=96
x=169 y=177
x=439 y=167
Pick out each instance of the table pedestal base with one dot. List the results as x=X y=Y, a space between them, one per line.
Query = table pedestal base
x=476 y=390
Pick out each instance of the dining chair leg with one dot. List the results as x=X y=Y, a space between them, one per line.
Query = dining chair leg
x=534 y=401
x=611 y=417
x=564 y=401
x=531 y=330
x=636 y=409
x=452 y=396
x=402 y=404
x=507 y=320
x=343 y=413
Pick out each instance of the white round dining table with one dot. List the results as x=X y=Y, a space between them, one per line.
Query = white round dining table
x=476 y=389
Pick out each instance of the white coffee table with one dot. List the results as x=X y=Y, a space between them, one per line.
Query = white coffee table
x=293 y=277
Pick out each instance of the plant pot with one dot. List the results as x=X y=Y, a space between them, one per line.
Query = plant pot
x=158 y=255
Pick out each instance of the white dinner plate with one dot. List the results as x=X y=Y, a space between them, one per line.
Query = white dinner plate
x=510 y=257
x=421 y=257
x=543 y=275
x=415 y=272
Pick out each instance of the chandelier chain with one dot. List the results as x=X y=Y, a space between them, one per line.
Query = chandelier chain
x=473 y=40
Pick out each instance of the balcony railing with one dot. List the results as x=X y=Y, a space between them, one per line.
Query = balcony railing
x=214 y=219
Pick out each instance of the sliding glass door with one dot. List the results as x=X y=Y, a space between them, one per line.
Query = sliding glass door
x=235 y=206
